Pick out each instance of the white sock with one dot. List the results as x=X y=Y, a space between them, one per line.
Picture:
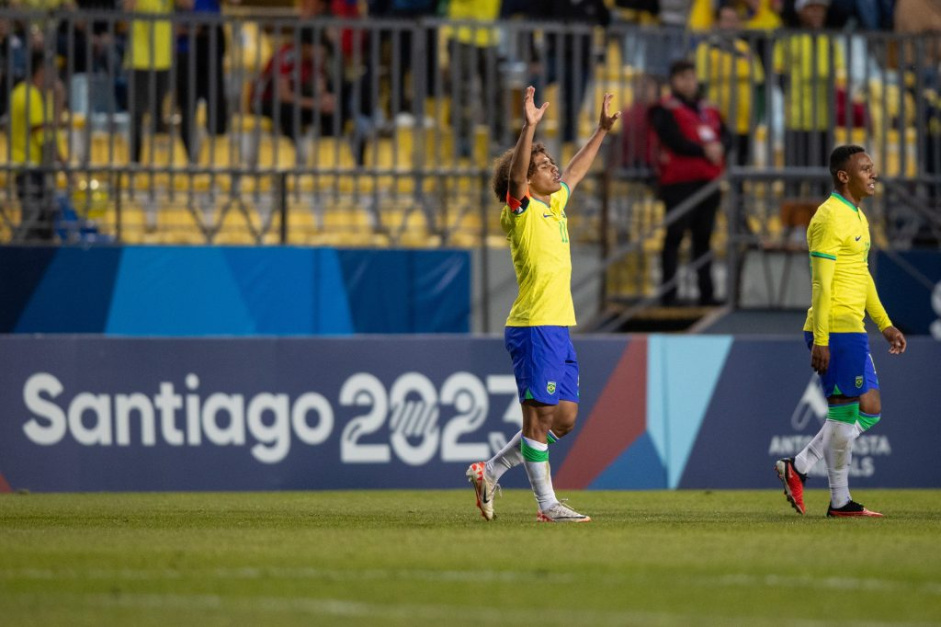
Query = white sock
x=811 y=454
x=506 y=458
x=838 y=450
x=539 y=475
x=509 y=456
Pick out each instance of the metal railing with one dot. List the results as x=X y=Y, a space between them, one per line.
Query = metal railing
x=384 y=133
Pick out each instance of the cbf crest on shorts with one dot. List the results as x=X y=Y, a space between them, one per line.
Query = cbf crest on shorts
x=859 y=382
x=550 y=387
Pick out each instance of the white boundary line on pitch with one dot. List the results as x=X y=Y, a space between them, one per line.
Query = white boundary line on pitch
x=418 y=612
x=931 y=588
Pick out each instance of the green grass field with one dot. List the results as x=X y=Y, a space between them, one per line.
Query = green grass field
x=427 y=558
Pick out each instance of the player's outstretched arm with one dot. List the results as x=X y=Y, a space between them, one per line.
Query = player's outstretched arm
x=519 y=165
x=578 y=167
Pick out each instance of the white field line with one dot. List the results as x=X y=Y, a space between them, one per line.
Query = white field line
x=417 y=613
x=854 y=584
x=127 y=574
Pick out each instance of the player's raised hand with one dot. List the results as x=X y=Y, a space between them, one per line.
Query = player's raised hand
x=896 y=340
x=532 y=113
x=607 y=121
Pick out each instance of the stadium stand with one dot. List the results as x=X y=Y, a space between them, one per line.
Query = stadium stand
x=415 y=185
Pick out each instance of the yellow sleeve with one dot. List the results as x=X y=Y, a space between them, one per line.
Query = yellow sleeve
x=821 y=272
x=824 y=244
x=874 y=307
x=822 y=237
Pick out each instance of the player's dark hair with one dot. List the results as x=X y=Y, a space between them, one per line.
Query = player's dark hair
x=501 y=170
x=681 y=65
x=840 y=157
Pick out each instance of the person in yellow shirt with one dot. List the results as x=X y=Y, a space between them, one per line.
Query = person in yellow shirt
x=731 y=73
x=149 y=57
x=534 y=194
x=33 y=147
x=754 y=14
x=473 y=52
x=804 y=61
x=843 y=293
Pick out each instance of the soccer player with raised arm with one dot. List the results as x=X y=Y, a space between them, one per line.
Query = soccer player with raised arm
x=534 y=194
x=843 y=292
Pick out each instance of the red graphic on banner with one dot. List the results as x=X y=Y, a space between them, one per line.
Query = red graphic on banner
x=617 y=420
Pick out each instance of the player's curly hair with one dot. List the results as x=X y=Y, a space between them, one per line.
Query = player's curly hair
x=501 y=169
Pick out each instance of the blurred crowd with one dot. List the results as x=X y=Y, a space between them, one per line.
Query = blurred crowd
x=166 y=64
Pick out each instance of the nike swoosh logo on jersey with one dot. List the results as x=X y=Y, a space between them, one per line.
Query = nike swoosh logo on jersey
x=547 y=215
x=859 y=237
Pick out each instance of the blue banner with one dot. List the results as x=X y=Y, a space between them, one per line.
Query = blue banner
x=126 y=414
x=911 y=282
x=203 y=291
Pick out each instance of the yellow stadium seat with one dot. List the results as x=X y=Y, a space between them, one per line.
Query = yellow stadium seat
x=109 y=150
x=276 y=153
x=162 y=151
x=331 y=153
x=250 y=123
x=348 y=218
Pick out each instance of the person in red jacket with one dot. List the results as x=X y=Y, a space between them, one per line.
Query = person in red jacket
x=693 y=141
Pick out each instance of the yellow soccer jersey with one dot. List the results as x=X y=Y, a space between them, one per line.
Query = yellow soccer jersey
x=539 y=242
x=839 y=234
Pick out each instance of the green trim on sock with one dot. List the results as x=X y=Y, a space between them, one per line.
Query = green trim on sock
x=533 y=454
x=868 y=421
x=848 y=413
x=551 y=438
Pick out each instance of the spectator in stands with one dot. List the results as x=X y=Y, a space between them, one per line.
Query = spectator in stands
x=33 y=121
x=693 y=142
x=294 y=90
x=804 y=62
x=297 y=90
x=473 y=53
x=200 y=54
x=753 y=14
x=731 y=73
x=150 y=58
